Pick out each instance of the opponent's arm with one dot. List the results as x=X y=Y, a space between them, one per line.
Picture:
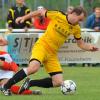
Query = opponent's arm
x=86 y=46
x=3 y=42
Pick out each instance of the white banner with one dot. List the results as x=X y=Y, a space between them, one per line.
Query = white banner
x=20 y=45
x=71 y=53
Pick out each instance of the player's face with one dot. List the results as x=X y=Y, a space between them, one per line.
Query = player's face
x=97 y=12
x=20 y=1
x=76 y=19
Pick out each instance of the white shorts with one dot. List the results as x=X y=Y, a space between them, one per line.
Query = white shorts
x=6 y=74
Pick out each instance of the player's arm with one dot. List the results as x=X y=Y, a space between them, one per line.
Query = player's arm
x=81 y=43
x=86 y=46
x=30 y=15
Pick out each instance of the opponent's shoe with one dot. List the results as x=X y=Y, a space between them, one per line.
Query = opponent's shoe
x=24 y=86
x=5 y=91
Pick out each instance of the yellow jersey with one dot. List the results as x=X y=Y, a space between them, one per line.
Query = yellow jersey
x=58 y=31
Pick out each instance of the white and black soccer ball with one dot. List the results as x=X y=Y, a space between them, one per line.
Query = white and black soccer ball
x=68 y=87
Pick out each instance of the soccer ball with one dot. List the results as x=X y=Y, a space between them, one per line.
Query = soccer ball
x=68 y=87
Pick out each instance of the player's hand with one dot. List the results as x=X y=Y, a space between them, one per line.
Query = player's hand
x=26 y=29
x=9 y=30
x=97 y=29
x=94 y=49
x=3 y=42
x=20 y=20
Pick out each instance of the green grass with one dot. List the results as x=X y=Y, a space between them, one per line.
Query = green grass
x=86 y=78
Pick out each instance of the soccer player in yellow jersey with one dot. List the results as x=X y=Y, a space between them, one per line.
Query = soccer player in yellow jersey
x=46 y=48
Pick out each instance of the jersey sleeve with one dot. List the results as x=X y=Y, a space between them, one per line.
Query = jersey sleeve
x=10 y=17
x=77 y=34
x=52 y=14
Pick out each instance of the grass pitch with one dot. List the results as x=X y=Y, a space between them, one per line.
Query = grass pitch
x=87 y=80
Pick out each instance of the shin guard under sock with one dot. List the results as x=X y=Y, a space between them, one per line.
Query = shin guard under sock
x=46 y=83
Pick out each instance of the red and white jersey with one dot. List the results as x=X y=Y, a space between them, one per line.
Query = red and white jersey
x=4 y=73
x=6 y=56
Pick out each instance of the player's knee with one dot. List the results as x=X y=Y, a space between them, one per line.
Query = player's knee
x=57 y=80
x=57 y=83
x=32 y=69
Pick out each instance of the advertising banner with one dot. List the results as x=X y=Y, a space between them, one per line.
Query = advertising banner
x=20 y=46
x=71 y=53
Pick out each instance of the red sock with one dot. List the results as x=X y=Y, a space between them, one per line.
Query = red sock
x=6 y=65
x=15 y=89
x=13 y=66
x=10 y=66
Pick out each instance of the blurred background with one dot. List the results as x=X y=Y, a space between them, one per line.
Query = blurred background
x=49 y=4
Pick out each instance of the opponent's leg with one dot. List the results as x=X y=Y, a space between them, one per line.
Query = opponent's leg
x=54 y=81
x=15 y=90
x=32 y=68
x=11 y=66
